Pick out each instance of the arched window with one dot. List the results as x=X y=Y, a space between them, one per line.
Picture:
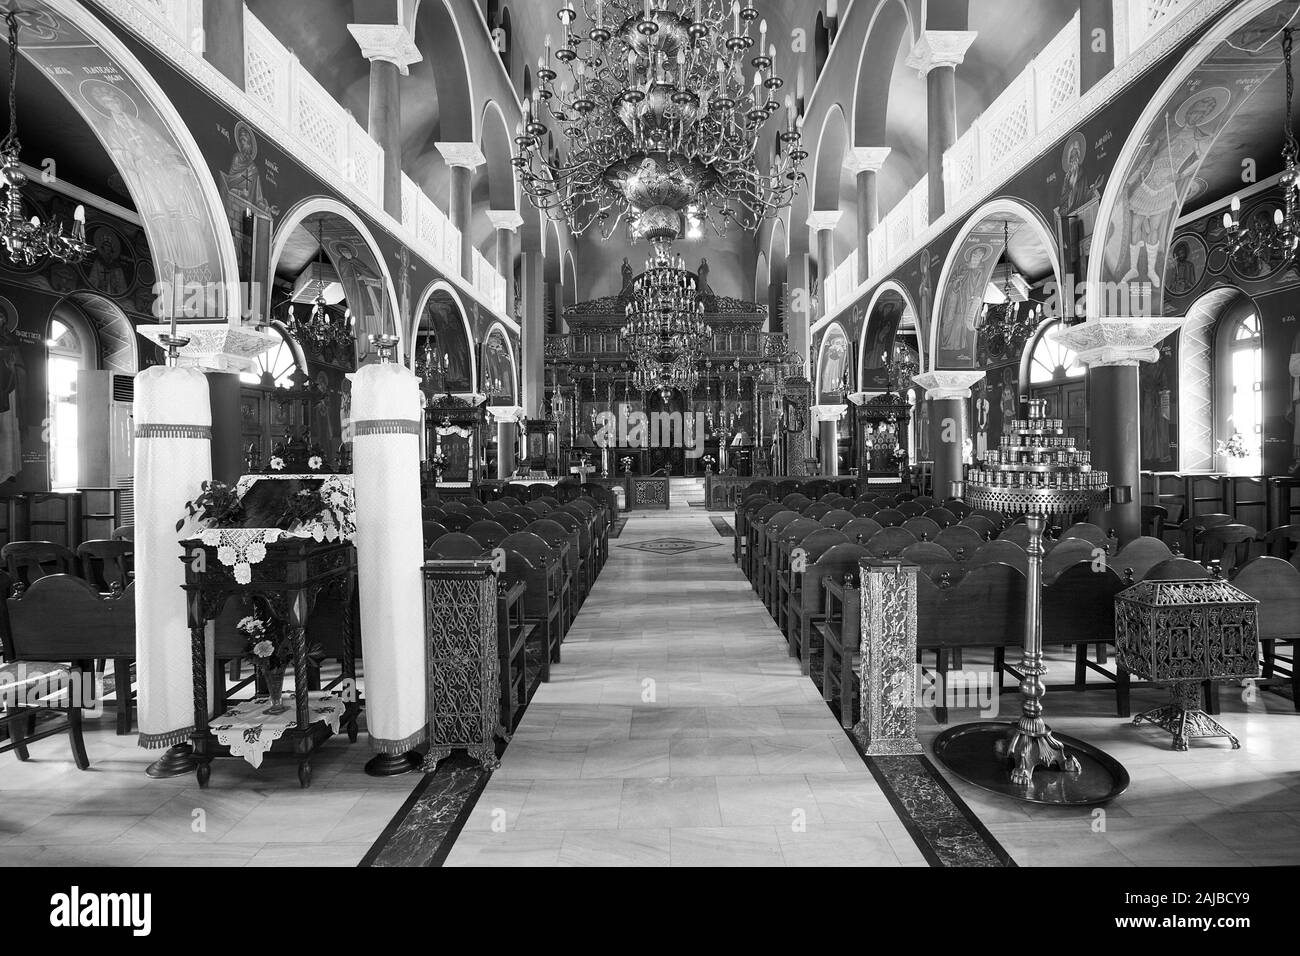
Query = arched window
x=1051 y=362
x=277 y=365
x=1244 y=395
x=69 y=349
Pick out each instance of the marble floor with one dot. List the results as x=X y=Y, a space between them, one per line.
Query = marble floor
x=676 y=731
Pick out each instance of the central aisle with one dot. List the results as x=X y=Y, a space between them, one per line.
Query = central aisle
x=678 y=731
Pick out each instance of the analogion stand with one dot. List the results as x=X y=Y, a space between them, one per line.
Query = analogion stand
x=1037 y=473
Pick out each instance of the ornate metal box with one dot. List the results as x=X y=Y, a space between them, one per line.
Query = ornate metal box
x=887 y=681
x=464 y=671
x=1170 y=631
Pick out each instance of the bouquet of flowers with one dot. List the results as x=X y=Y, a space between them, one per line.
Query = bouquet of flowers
x=217 y=505
x=1234 y=447
x=710 y=462
x=267 y=648
x=626 y=462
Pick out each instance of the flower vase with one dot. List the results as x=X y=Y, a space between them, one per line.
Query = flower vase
x=273 y=678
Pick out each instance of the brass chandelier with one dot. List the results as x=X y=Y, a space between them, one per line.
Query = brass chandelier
x=28 y=241
x=665 y=332
x=662 y=114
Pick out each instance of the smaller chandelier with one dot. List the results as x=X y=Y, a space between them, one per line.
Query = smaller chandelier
x=431 y=369
x=1006 y=327
x=321 y=331
x=1263 y=241
x=28 y=241
x=665 y=330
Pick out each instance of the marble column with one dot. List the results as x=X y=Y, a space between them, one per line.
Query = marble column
x=823 y=222
x=798 y=308
x=223 y=38
x=391 y=51
x=1096 y=41
x=828 y=419
x=1113 y=349
x=936 y=56
x=507 y=420
x=463 y=158
x=506 y=222
x=533 y=333
x=947 y=392
x=865 y=163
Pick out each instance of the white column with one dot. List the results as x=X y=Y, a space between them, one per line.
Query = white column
x=391 y=50
x=506 y=222
x=947 y=391
x=865 y=163
x=507 y=420
x=936 y=55
x=463 y=158
x=823 y=222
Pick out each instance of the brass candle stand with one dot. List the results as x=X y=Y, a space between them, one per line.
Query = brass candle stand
x=1036 y=472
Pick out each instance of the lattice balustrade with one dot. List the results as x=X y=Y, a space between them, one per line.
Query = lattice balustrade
x=317 y=120
x=1006 y=126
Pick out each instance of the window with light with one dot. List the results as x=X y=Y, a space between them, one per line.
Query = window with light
x=64 y=354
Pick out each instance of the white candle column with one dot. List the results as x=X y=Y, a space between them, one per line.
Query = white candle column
x=173 y=457
x=390 y=552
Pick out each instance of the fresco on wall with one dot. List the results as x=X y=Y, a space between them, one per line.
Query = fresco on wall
x=834 y=371
x=443 y=318
x=962 y=298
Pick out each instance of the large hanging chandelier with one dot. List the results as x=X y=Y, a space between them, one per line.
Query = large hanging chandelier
x=1263 y=241
x=662 y=117
x=665 y=333
x=28 y=241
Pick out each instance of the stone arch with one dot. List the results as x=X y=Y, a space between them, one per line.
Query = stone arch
x=363 y=272
x=828 y=164
x=890 y=27
x=966 y=271
x=1156 y=169
x=498 y=332
x=889 y=309
x=497 y=147
x=181 y=210
x=438 y=35
x=440 y=307
x=834 y=360
x=1196 y=375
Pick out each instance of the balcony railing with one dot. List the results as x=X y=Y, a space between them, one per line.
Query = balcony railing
x=1047 y=88
x=312 y=124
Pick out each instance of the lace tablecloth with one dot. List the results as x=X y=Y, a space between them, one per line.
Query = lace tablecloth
x=249 y=731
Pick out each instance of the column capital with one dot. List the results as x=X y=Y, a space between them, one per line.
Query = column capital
x=389 y=42
x=467 y=155
x=822 y=219
x=1117 y=340
x=506 y=414
x=944 y=384
x=507 y=219
x=866 y=159
x=829 y=413
x=937 y=48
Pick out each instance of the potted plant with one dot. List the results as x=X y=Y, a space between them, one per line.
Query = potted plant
x=268 y=646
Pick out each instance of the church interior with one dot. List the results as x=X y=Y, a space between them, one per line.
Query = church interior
x=650 y=433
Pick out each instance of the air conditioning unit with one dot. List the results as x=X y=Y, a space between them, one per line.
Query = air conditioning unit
x=106 y=448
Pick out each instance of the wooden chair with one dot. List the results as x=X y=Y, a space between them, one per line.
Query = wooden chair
x=567 y=546
x=836 y=518
x=911 y=509
x=1067 y=552
x=890 y=542
x=540 y=507
x=510 y=500
x=454 y=507
x=861 y=530
x=489 y=534
x=808 y=606
x=27 y=561
x=813 y=546
x=932 y=558
x=766 y=533
x=478 y=513
x=587 y=557
x=497 y=507
x=817 y=510
x=817 y=488
x=531 y=559
x=432 y=513
x=982 y=524
x=865 y=509
x=433 y=530
x=1281 y=541
x=1085 y=531
x=1019 y=533
x=924 y=528
x=512 y=522
x=957 y=507
x=796 y=501
x=885 y=501
x=1228 y=544
x=106 y=564
x=999 y=551
x=1154 y=518
x=753 y=532
x=454 y=546
x=889 y=518
x=960 y=540
x=786 y=487
x=1136 y=559
x=1192 y=528
x=780 y=548
x=941 y=516
x=124 y=532
x=456 y=521
x=1177 y=569
x=1275 y=583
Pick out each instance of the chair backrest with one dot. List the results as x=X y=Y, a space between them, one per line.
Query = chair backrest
x=433 y=530
x=817 y=510
x=1229 y=544
x=530 y=545
x=889 y=517
x=1177 y=569
x=798 y=529
x=1068 y=551
x=890 y=542
x=910 y=508
x=479 y=513
x=1281 y=539
x=28 y=561
x=538 y=491
x=456 y=521
x=60 y=617
x=924 y=528
x=861 y=530
x=454 y=507
x=1139 y=556
x=490 y=534
x=986 y=608
x=818 y=542
x=583 y=505
x=985 y=527
x=1019 y=533
x=885 y=501
x=497 y=507
x=550 y=500
x=1153 y=520
x=106 y=564
x=836 y=563
x=785 y=487
x=453 y=546
x=928 y=555
x=1000 y=551
x=1087 y=532
x=510 y=501
x=837 y=500
x=836 y=518
x=518 y=492
x=541 y=506
x=765 y=513
x=1276 y=585
x=760 y=487
x=865 y=509
x=925 y=501
x=957 y=507
x=796 y=501
x=1079 y=604
x=776 y=524
x=124 y=532
x=941 y=516
x=1212 y=520
x=513 y=522
x=961 y=541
